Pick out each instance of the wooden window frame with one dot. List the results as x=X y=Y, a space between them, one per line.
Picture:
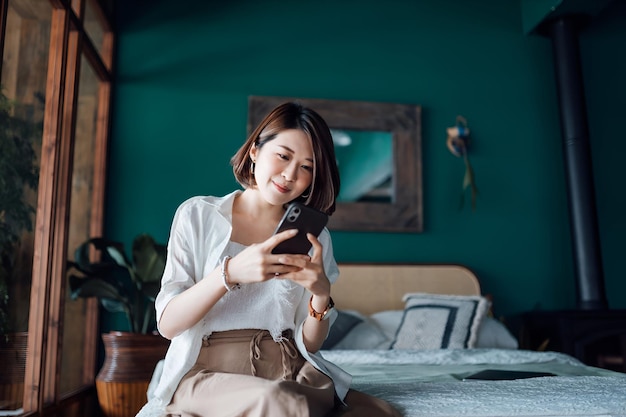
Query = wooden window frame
x=68 y=43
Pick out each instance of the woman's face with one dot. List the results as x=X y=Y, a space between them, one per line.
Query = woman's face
x=284 y=166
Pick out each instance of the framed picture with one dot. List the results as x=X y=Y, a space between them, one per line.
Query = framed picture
x=378 y=150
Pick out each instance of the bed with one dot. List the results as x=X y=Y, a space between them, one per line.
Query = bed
x=413 y=334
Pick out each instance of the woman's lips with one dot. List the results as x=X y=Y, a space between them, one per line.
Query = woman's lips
x=280 y=188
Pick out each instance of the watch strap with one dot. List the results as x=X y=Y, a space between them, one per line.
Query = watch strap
x=324 y=314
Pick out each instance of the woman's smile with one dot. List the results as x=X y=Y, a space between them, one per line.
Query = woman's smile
x=281 y=188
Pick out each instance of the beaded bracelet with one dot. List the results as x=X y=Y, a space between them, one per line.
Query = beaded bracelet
x=224 y=264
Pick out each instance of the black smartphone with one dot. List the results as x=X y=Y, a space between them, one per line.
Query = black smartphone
x=304 y=218
x=505 y=374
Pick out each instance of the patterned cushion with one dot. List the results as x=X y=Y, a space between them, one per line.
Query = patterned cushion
x=434 y=321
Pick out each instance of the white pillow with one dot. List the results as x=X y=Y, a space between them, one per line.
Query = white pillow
x=493 y=333
x=433 y=321
x=388 y=321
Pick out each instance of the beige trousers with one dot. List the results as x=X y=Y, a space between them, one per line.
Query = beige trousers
x=246 y=373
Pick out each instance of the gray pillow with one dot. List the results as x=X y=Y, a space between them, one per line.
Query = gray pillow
x=344 y=322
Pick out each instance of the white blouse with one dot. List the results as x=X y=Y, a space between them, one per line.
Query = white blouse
x=199 y=239
x=269 y=305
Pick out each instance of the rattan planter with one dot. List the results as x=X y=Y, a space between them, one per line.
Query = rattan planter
x=122 y=383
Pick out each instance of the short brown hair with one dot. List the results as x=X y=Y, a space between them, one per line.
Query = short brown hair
x=325 y=185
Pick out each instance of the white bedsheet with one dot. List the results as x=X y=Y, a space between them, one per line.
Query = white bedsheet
x=429 y=383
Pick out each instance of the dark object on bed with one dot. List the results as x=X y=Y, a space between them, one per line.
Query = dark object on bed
x=505 y=374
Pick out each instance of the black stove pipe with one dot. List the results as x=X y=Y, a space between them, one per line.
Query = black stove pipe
x=577 y=154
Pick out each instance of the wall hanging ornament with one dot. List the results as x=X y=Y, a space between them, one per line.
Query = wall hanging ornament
x=458 y=144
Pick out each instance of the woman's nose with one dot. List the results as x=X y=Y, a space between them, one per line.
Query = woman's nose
x=290 y=172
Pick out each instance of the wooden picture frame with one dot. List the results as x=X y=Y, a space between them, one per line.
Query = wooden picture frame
x=404 y=213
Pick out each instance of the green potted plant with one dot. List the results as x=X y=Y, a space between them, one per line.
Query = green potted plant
x=18 y=172
x=121 y=284
x=127 y=286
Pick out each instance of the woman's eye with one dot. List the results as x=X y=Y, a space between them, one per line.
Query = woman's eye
x=282 y=156
x=307 y=168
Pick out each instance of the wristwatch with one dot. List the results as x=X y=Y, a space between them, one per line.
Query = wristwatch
x=324 y=314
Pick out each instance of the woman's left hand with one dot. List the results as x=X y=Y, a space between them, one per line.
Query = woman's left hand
x=311 y=274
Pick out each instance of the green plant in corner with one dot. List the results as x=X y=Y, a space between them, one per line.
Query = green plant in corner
x=18 y=171
x=121 y=285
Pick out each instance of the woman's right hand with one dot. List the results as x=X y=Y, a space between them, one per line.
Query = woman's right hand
x=257 y=263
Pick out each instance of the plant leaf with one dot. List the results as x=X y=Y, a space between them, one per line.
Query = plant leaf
x=113 y=306
x=85 y=287
x=149 y=258
x=117 y=256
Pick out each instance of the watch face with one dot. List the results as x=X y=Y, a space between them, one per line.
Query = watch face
x=331 y=305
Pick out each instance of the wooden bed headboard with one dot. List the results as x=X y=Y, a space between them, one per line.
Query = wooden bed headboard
x=368 y=288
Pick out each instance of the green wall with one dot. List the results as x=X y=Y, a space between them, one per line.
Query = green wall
x=180 y=109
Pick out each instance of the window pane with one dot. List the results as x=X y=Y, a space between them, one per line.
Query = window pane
x=24 y=67
x=76 y=6
x=91 y=21
x=73 y=353
x=93 y=25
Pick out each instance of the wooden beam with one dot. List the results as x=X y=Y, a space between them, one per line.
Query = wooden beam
x=4 y=7
x=45 y=225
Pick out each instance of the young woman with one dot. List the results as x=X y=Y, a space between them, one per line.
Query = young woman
x=246 y=325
